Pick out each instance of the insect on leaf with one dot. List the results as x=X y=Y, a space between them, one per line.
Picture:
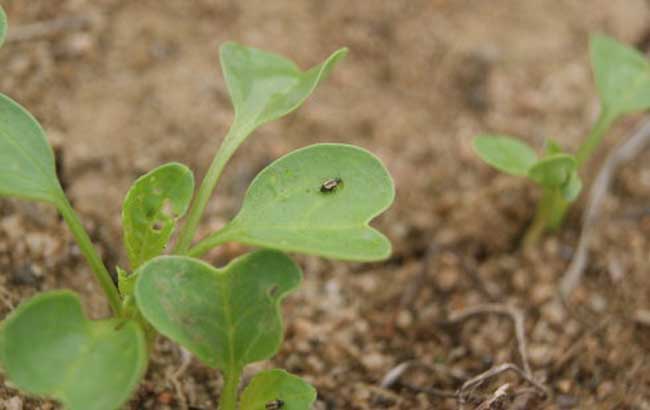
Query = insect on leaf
x=554 y=170
x=277 y=386
x=622 y=76
x=27 y=167
x=3 y=25
x=227 y=317
x=265 y=86
x=506 y=154
x=50 y=349
x=316 y=200
x=151 y=208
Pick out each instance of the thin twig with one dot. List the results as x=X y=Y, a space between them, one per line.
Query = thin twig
x=447 y=394
x=394 y=374
x=46 y=28
x=498 y=398
x=624 y=152
x=186 y=359
x=517 y=319
x=495 y=371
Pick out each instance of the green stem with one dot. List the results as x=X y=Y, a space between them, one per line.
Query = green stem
x=228 y=398
x=228 y=147
x=89 y=251
x=595 y=137
x=218 y=238
x=550 y=213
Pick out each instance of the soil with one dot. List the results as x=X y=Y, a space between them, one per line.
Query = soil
x=123 y=86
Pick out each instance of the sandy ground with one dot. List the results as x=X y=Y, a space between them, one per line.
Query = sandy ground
x=123 y=86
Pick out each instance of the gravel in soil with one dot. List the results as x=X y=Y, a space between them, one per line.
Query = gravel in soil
x=132 y=85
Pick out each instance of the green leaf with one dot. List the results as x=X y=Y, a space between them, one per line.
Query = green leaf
x=277 y=385
x=285 y=207
x=506 y=154
x=227 y=317
x=50 y=349
x=151 y=208
x=265 y=86
x=552 y=147
x=26 y=160
x=554 y=170
x=572 y=188
x=622 y=76
x=3 y=25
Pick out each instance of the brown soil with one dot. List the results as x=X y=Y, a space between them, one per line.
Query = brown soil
x=137 y=84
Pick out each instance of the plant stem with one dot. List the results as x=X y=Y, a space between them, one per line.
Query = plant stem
x=228 y=147
x=550 y=213
x=604 y=121
x=552 y=208
x=212 y=241
x=89 y=251
x=228 y=398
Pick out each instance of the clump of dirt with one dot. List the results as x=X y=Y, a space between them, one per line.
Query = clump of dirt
x=124 y=86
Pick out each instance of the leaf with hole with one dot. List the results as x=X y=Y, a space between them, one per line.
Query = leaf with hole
x=316 y=200
x=554 y=170
x=151 y=209
x=622 y=76
x=265 y=86
x=506 y=154
x=277 y=386
x=3 y=25
x=50 y=349
x=27 y=167
x=227 y=317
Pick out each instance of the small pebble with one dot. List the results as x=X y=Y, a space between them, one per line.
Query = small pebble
x=14 y=403
x=642 y=317
x=565 y=401
x=165 y=397
x=25 y=275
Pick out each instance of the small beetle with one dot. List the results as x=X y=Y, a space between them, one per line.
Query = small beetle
x=274 y=405
x=330 y=185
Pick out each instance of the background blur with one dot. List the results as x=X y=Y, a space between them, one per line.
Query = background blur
x=124 y=86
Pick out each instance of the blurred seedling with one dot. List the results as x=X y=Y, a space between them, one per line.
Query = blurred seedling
x=622 y=76
x=227 y=317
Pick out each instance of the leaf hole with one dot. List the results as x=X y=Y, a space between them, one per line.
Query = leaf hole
x=157 y=226
x=273 y=290
x=168 y=209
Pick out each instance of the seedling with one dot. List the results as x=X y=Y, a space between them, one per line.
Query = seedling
x=622 y=77
x=227 y=317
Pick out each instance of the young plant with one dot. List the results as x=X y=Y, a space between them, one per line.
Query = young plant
x=317 y=200
x=622 y=77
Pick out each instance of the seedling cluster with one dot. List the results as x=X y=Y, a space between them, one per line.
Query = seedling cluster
x=622 y=76
x=317 y=200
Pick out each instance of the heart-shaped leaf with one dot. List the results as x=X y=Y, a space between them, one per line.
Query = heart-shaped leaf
x=622 y=76
x=554 y=170
x=151 y=208
x=26 y=160
x=227 y=317
x=506 y=154
x=265 y=86
x=286 y=391
x=316 y=200
x=3 y=25
x=50 y=349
